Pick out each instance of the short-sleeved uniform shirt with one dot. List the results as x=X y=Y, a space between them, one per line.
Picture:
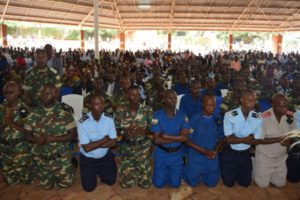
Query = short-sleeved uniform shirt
x=90 y=130
x=235 y=123
x=162 y=123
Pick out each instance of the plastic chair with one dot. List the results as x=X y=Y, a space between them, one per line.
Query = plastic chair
x=178 y=101
x=76 y=102
x=224 y=92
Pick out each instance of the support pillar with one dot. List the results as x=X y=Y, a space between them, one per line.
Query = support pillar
x=122 y=40
x=169 y=41
x=96 y=28
x=82 y=40
x=277 y=44
x=4 y=35
x=230 y=41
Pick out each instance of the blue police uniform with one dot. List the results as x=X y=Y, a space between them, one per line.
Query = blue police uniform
x=297 y=118
x=98 y=162
x=189 y=105
x=168 y=157
x=205 y=132
x=193 y=106
x=236 y=159
x=181 y=89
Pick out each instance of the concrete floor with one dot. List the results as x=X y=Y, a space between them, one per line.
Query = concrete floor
x=103 y=192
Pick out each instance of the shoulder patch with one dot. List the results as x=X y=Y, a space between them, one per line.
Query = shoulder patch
x=53 y=70
x=186 y=119
x=234 y=113
x=154 y=121
x=23 y=112
x=83 y=119
x=254 y=115
x=218 y=121
x=266 y=114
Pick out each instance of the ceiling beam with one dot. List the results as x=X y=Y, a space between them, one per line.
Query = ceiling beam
x=60 y=10
x=244 y=11
x=198 y=13
x=4 y=11
x=286 y=20
x=207 y=5
x=117 y=14
x=70 y=23
x=172 y=15
x=86 y=18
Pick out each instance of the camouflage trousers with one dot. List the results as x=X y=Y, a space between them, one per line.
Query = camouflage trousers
x=55 y=170
x=136 y=164
x=17 y=168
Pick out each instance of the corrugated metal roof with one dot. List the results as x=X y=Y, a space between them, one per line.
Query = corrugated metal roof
x=223 y=15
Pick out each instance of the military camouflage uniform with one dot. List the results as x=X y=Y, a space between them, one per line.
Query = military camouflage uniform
x=266 y=94
x=229 y=103
x=53 y=159
x=15 y=150
x=108 y=107
x=294 y=102
x=154 y=94
x=37 y=78
x=136 y=150
x=119 y=100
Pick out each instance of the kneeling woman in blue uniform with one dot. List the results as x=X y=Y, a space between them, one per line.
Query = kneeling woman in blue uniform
x=204 y=140
x=170 y=128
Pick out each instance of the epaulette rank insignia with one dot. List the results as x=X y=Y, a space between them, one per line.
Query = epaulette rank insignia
x=218 y=122
x=234 y=113
x=266 y=114
x=254 y=115
x=85 y=117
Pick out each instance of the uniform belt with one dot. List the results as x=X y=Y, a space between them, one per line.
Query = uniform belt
x=240 y=151
x=171 y=149
x=12 y=142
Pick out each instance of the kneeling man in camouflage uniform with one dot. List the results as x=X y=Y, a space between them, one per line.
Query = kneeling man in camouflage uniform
x=51 y=129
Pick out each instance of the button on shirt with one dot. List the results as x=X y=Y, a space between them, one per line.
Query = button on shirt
x=235 y=123
x=91 y=130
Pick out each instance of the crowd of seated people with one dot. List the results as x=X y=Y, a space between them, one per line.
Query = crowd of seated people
x=233 y=105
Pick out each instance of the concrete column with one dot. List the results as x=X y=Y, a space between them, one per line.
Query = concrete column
x=82 y=40
x=122 y=40
x=96 y=28
x=230 y=41
x=169 y=41
x=4 y=35
x=277 y=44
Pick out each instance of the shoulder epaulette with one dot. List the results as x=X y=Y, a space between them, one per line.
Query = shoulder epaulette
x=254 y=115
x=289 y=113
x=234 y=113
x=53 y=70
x=108 y=115
x=266 y=114
x=83 y=119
